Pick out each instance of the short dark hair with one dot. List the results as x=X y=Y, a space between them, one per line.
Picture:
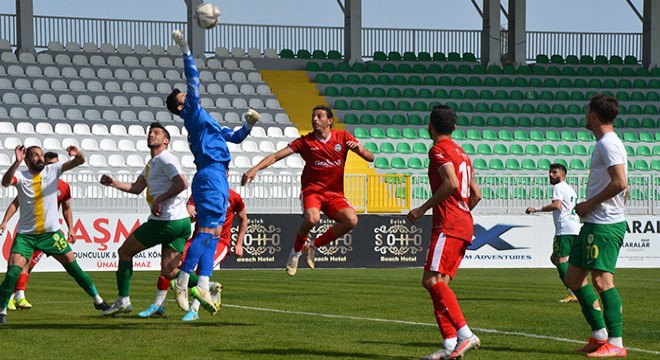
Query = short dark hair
x=443 y=119
x=50 y=155
x=157 y=125
x=172 y=103
x=605 y=106
x=327 y=110
x=559 y=166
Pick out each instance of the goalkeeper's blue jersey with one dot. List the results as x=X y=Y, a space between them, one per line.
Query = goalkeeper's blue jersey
x=207 y=138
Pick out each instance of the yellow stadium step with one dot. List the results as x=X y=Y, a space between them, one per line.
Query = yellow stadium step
x=297 y=95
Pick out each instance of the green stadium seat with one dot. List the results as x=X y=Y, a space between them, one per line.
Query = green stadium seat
x=419 y=148
x=287 y=54
x=648 y=123
x=425 y=94
x=359 y=92
x=500 y=149
x=377 y=133
x=509 y=121
x=544 y=164
x=528 y=164
x=528 y=109
x=382 y=163
x=403 y=106
x=547 y=95
x=394 y=92
x=505 y=82
x=524 y=121
x=435 y=69
x=574 y=109
x=367 y=79
x=630 y=60
x=480 y=164
x=576 y=164
x=495 y=164
x=630 y=151
x=568 y=136
x=464 y=69
x=403 y=148
x=303 y=54
x=371 y=147
x=655 y=166
x=542 y=59
x=458 y=134
x=471 y=94
x=468 y=148
x=424 y=56
x=460 y=81
x=359 y=105
x=341 y=105
x=331 y=91
x=450 y=69
x=322 y=79
x=466 y=107
x=380 y=56
x=563 y=162
x=372 y=105
x=398 y=163
x=579 y=149
x=641 y=165
x=553 y=71
x=415 y=163
x=486 y=94
x=359 y=67
x=409 y=133
x=453 y=56
x=630 y=137
x=344 y=67
x=497 y=108
x=351 y=119
x=489 y=135
x=536 y=135
x=648 y=137
x=555 y=122
x=571 y=122
x=477 y=121
x=374 y=67
x=484 y=149
x=547 y=149
x=552 y=135
x=313 y=66
x=473 y=134
x=361 y=133
x=520 y=135
x=482 y=108
x=563 y=149
x=493 y=121
x=394 y=56
x=387 y=148
x=532 y=149
x=386 y=80
x=367 y=119
x=512 y=164
x=404 y=68
x=384 y=119
x=516 y=95
x=334 y=55
x=378 y=92
x=505 y=135
x=393 y=133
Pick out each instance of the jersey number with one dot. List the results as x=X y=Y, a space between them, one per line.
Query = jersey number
x=465 y=173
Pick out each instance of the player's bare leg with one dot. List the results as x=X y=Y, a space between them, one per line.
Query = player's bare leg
x=84 y=281
x=346 y=220
x=311 y=217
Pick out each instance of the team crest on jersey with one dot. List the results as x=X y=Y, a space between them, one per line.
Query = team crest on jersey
x=337 y=147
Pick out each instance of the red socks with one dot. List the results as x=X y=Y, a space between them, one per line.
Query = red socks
x=163 y=283
x=446 y=306
x=21 y=284
x=325 y=238
x=300 y=242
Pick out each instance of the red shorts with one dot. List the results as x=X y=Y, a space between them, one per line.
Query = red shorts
x=330 y=202
x=445 y=254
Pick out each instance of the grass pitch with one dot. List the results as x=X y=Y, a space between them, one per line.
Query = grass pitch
x=326 y=314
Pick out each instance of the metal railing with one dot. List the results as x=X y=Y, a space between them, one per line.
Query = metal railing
x=391 y=193
x=149 y=33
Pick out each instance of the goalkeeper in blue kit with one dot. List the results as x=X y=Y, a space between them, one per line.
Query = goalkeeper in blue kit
x=210 y=188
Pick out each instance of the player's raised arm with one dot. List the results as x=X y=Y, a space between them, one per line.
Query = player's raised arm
x=8 y=177
x=266 y=162
x=133 y=188
x=78 y=158
x=357 y=148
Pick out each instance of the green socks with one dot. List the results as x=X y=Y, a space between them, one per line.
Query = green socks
x=562 y=268
x=8 y=283
x=588 y=300
x=83 y=280
x=612 y=312
x=124 y=273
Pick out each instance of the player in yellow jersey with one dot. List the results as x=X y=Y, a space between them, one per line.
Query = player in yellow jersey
x=38 y=225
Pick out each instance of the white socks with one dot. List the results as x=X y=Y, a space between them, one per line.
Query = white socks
x=160 y=297
x=464 y=332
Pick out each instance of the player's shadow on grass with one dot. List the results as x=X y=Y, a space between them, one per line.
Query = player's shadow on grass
x=309 y=352
x=529 y=352
x=429 y=345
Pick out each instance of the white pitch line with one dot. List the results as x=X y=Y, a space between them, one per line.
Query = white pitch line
x=493 y=331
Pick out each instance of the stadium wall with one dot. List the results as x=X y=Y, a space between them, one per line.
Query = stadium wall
x=379 y=241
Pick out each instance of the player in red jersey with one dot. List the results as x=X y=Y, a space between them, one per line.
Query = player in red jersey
x=236 y=208
x=455 y=194
x=324 y=151
x=18 y=300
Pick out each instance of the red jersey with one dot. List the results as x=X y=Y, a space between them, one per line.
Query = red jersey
x=63 y=192
x=452 y=216
x=324 y=160
x=235 y=206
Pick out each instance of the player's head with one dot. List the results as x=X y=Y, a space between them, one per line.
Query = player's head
x=443 y=120
x=51 y=157
x=34 y=159
x=175 y=100
x=557 y=173
x=158 y=136
x=603 y=108
x=322 y=117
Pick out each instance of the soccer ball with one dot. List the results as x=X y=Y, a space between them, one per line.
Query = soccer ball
x=207 y=16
